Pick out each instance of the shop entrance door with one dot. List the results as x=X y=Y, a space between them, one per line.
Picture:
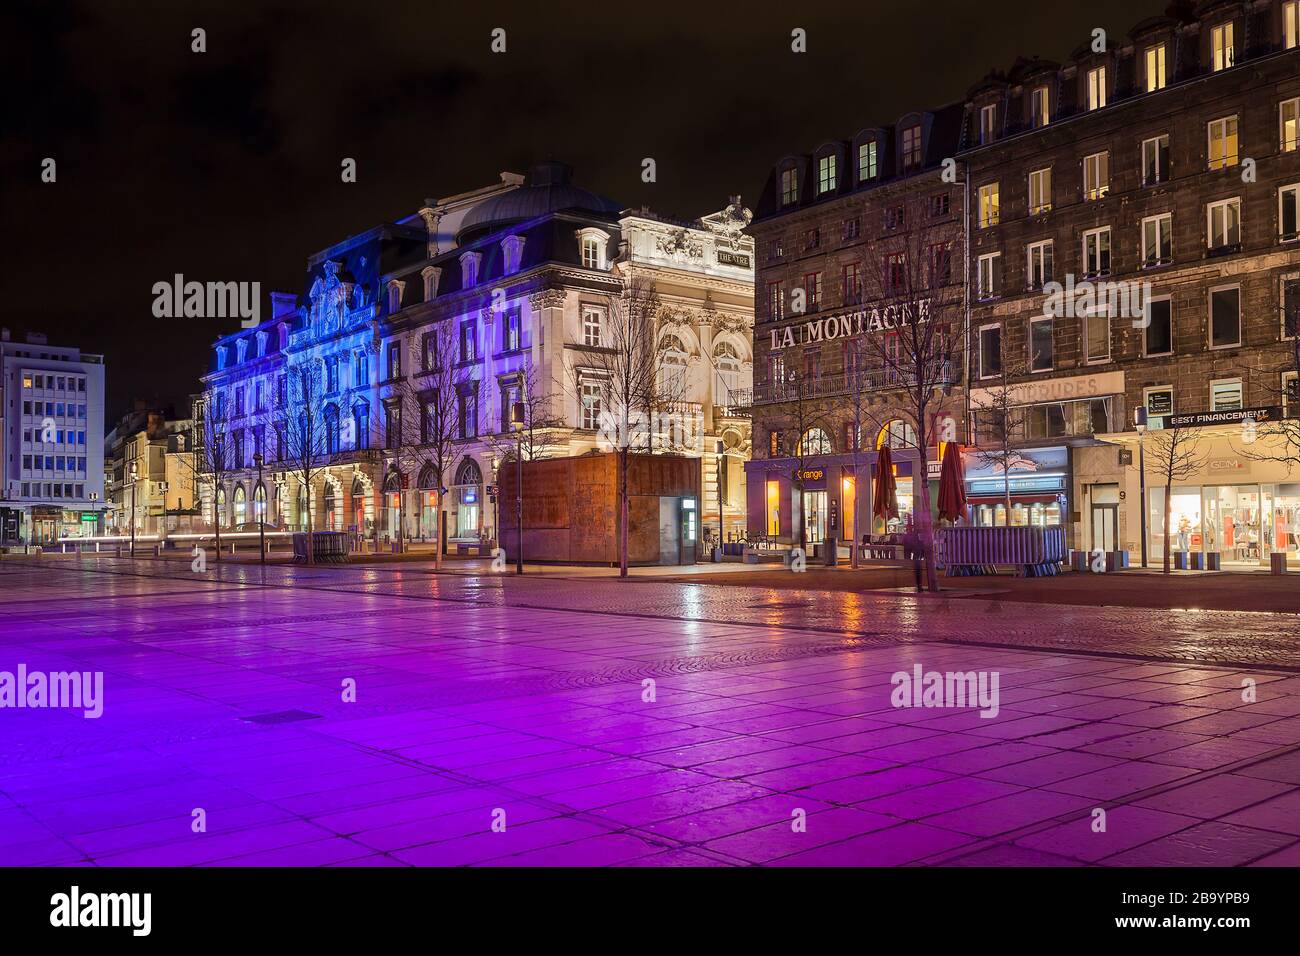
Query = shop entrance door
x=814 y=516
x=1105 y=521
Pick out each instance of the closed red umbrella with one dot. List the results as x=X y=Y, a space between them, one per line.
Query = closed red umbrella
x=884 y=502
x=952 y=485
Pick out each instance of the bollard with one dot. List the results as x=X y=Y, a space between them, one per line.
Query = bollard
x=1277 y=562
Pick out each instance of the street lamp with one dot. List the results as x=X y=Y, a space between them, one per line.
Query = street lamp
x=1140 y=421
x=261 y=514
x=517 y=423
x=134 y=469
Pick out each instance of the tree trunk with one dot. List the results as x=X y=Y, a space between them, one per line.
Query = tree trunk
x=311 y=555
x=623 y=512
x=437 y=527
x=216 y=520
x=857 y=496
x=1006 y=481
x=1169 y=488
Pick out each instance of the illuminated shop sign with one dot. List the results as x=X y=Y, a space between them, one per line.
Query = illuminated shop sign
x=1228 y=417
x=809 y=474
x=850 y=324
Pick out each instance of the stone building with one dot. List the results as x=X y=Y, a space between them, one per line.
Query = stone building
x=1133 y=246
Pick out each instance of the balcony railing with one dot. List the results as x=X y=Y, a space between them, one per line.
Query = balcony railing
x=827 y=386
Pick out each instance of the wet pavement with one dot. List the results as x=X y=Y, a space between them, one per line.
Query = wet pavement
x=588 y=721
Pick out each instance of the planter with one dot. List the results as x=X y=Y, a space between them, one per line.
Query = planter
x=1178 y=561
x=1212 y=561
x=1198 y=561
x=1277 y=563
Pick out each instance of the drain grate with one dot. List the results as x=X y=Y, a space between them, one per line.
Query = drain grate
x=281 y=717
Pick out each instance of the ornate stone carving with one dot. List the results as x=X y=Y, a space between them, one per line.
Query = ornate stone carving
x=680 y=244
x=547 y=299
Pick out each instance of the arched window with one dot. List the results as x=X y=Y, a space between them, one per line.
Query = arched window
x=282 y=504
x=672 y=367
x=302 y=507
x=727 y=361
x=259 y=502
x=469 y=473
x=428 y=480
x=897 y=434
x=393 y=482
x=815 y=441
x=240 y=506
x=330 y=502
x=220 y=517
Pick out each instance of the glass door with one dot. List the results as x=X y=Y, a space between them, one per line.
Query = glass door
x=814 y=516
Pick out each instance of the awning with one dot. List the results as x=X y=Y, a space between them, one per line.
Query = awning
x=1015 y=499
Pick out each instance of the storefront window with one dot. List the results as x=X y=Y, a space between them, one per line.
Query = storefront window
x=773 y=508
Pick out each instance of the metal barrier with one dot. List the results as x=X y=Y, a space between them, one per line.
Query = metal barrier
x=328 y=547
x=968 y=551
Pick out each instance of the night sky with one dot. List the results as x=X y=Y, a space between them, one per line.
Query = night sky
x=225 y=166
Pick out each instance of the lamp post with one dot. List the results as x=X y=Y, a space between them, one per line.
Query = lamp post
x=517 y=422
x=1140 y=421
x=261 y=514
x=134 y=469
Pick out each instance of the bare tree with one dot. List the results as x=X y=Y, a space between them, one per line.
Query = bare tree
x=619 y=385
x=210 y=458
x=913 y=331
x=445 y=398
x=1002 y=422
x=536 y=440
x=306 y=434
x=1176 y=457
x=1283 y=446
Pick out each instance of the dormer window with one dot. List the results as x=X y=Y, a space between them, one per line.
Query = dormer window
x=911 y=148
x=789 y=186
x=512 y=247
x=988 y=123
x=1222 y=54
x=592 y=244
x=430 y=274
x=1097 y=88
x=469 y=266
x=826 y=174
x=395 y=288
x=261 y=343
x=868 y=161
x=241 y=350
x=284 y=335
x=221 y=357
x=1155 y=67
x=1040 y=108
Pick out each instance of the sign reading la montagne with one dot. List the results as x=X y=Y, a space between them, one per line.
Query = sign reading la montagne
x=850 y=324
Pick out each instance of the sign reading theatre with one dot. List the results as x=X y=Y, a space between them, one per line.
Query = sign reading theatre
x=850 y=324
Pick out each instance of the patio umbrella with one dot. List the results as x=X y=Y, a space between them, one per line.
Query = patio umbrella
x=884 y=502
x=952 y=485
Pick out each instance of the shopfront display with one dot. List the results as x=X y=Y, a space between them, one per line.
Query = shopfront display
x=1037 y=480
x=1243 y=524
